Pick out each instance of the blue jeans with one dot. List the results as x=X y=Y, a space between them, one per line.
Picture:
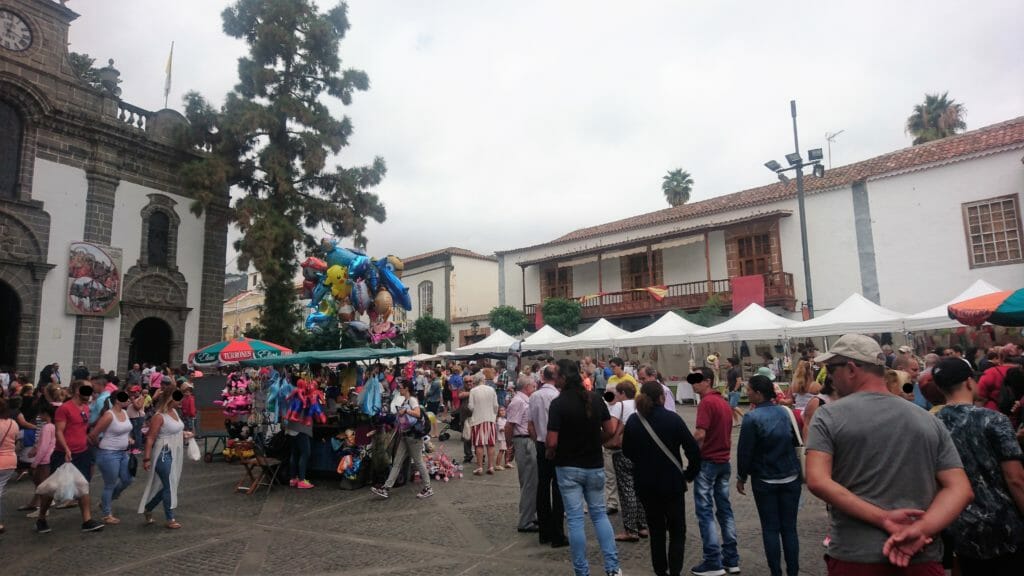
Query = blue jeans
x=586 y=484
x=162 y=467
x=137 y=432
x=777 y=506
x=711 y=500
x=113 y=464
x=300 y=456
x=501 y=396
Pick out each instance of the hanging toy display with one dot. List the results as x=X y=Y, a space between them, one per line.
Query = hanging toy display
x=236 y=397
x=347 y=283
x=305 y=403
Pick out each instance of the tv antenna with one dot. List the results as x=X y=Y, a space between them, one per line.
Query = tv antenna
x=830 y=137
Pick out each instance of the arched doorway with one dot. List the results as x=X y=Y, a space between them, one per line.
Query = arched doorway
x=10 y=324
x=150 y=342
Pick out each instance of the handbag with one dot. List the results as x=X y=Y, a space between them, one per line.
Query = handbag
x=133 y=464
x=661 y=444
x=801 y=450
x=615 y=442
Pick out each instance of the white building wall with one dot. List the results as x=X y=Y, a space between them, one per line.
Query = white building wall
x=126 y=234
x=474 y=286
x=62 y=189
x=686 y=263
x=832 y=245
x=920 y=243
x=413 y=277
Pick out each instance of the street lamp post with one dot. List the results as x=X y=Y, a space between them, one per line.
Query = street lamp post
x=797 y=164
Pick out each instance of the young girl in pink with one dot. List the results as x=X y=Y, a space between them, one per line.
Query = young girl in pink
x=41 y=452
x=502 y=442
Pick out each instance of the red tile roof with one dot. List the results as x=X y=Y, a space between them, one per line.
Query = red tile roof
x=987 y=140
x=449 y=251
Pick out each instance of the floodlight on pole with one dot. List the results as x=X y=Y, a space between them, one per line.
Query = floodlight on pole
x=783 y=178
x=815 y=154
x=793 y=158
x=773 y=165
x=819 y=170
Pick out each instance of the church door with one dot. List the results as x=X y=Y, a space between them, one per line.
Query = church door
x=151 y=342
x=10 y=323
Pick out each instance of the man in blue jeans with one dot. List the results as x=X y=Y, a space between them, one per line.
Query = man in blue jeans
x=711 y=487
x=578 y=425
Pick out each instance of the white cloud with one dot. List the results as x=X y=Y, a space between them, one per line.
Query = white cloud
x=510 y=123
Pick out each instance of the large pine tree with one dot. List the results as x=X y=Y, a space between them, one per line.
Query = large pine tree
x=275 y=140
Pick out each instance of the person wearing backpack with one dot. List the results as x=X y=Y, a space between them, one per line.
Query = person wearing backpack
x=413 y=424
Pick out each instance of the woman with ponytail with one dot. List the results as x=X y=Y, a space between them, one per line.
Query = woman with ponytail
x=578 y=425
x=652 y=440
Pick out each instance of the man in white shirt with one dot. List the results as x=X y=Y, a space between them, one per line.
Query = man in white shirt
x=550 y=511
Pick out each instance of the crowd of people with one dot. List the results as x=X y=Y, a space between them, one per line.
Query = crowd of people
x=918 y=458
x=98 y=423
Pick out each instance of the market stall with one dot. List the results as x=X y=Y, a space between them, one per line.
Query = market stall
x=856 y=314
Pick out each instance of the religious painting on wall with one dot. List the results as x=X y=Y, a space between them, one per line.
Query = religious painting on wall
x=94 y=280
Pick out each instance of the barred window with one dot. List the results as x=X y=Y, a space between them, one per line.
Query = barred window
x=426 y=298
x=993 y=229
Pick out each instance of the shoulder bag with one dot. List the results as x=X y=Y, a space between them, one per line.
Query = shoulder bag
x=797 y=439
x=661 y=444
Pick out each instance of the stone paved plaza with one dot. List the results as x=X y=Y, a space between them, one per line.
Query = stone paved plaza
x=467 y=528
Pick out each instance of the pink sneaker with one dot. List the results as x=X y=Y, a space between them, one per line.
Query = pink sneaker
x=303 y=485
x=293 y=482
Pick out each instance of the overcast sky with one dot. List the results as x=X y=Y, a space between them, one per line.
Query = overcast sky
x=505 y=124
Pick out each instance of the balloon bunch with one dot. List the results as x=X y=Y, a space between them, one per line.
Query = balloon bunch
x=345 y=284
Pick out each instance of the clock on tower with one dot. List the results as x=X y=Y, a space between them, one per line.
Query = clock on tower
x=15 y=34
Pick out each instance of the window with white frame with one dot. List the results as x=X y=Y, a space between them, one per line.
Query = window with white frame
x=993 y=230
x=426 y=298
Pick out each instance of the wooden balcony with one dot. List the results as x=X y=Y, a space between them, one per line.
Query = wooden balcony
x=689 y=296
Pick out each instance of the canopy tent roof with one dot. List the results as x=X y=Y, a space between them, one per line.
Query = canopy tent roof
x=753 y=323
x=856 y=314
x=669 y=329
x=498 y=342
x=601 y=335
x=938 y=317
x=329 y=356
x=542 y=339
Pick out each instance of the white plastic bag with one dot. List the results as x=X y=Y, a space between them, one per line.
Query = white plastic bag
x=66 y=483
x=193 y=450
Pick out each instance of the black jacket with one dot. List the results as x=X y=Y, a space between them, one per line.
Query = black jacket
x=652 y=469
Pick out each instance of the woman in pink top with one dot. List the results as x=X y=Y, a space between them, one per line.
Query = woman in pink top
x=8 y=458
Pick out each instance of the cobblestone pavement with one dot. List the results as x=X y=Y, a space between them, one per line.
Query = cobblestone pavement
x=467 y=528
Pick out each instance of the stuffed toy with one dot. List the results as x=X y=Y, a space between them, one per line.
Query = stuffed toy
x=305 y=403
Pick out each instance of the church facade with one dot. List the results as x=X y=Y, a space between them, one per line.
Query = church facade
x=101 y=260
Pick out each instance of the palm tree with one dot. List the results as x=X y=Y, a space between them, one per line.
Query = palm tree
x=677 y=185
x=938 y=117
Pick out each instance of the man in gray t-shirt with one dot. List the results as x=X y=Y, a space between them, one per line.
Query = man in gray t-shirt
x=889 y=469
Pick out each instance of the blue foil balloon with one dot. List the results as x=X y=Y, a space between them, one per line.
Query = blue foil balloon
x=399 y=293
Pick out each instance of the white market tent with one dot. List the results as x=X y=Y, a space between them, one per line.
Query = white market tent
x=497 y=343
x=602 y=334
x=753 y=323
x=938 y=317
x=544 y=338
x=669 y=329
x=856 y=314
x=422 y=357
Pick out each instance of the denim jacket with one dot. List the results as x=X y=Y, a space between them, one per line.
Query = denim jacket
x=766 y=449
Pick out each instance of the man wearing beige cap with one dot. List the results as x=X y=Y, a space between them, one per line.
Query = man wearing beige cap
x=889 y=470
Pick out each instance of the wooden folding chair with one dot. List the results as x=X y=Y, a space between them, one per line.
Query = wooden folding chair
x=260 y=470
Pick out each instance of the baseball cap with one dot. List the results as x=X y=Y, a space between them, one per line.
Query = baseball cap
x=766 y=372
x=906 y=349
x=950 y=372
x=856 y=347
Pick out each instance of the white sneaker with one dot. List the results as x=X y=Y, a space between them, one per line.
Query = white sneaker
x=732 y=569
x=615 y=573
x=33 y=514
